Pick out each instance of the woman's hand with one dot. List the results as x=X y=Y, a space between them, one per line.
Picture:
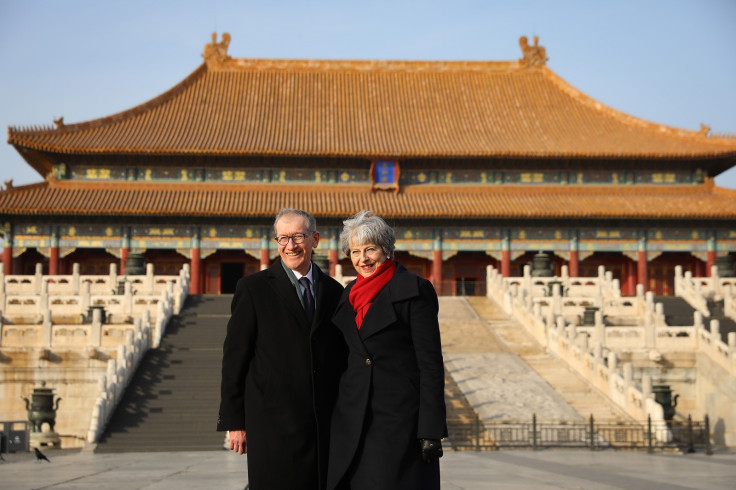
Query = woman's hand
x=431 y=449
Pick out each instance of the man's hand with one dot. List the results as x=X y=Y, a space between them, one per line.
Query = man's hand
x=431 y=449
x=238 y=442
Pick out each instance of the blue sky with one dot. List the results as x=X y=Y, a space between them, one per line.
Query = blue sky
x=670 y=62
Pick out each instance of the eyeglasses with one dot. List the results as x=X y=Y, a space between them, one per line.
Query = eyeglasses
x=297 y=238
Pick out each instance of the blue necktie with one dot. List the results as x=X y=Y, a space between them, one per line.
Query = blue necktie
x=308 y=298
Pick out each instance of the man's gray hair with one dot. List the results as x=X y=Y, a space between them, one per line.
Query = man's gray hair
x=311 y=222
x=366 y=227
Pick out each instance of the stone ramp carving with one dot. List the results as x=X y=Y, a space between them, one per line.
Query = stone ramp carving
x=505 y=374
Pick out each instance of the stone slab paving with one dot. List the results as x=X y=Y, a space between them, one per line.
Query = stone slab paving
x=518 y=469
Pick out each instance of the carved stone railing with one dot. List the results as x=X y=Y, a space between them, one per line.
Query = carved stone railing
x=77 y=284
x=85 y=314
x=120 y=371
x=64 y=320
x=698 y=291
x=590 y=350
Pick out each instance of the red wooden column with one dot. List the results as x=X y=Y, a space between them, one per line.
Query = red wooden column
x=265 y=260
x=699 y=269
x=506 y=256
x=333 y=251
x=631 y=278
x=641 y=264
x=437 y=263
x=8 y=249
x=574 y=265
x=124 y=250
x=710 y=254
x=54 y=253
x=332 y=256
x=195 y=265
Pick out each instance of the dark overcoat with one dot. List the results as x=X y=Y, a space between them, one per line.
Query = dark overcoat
x=279 y=378
x=392 y=391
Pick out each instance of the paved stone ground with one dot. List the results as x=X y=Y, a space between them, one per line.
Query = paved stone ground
x=474 y=339
x=466 y=470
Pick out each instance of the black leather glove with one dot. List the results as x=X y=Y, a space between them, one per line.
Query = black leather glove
x=431 y=449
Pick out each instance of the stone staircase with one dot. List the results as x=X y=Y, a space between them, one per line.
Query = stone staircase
x=497 y=336
x=678 y=312
x=172 y=401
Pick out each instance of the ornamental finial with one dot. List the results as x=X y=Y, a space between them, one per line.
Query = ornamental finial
x=215 y=51
x=534 y=55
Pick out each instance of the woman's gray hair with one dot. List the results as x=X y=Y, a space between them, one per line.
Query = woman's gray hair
x=366 y=227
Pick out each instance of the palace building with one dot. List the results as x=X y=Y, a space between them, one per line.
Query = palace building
x=473 y=163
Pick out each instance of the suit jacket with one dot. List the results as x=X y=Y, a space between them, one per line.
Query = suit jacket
x=392 y=392
x=279 y=377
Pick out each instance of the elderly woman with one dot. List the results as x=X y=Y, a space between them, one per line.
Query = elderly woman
x=389 y=417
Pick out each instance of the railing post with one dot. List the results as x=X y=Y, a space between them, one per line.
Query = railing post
x=534 y=431
x=592 y=433
x=477 y=432
x=649 y=434
x=708 y=448
x=690 y=441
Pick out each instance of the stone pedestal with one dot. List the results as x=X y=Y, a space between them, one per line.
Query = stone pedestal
x=45 y=439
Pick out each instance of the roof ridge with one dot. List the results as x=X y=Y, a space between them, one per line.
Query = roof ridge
x=360 y=65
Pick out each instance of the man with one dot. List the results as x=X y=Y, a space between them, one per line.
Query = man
x=279 y=368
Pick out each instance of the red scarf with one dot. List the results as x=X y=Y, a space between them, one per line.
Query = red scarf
x=366 y=289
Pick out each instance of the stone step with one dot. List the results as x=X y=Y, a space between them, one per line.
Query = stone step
x=172 y=401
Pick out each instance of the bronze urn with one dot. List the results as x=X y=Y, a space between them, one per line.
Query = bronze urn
x=41 y=408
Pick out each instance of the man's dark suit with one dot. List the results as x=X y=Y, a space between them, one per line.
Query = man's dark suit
x=279 y=377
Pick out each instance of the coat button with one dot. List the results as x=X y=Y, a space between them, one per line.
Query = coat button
x=368 y=362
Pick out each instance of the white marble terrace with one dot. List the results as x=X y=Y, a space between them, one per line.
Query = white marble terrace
x=83 y=334
x=552 y=310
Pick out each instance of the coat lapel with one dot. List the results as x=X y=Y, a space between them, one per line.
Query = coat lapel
x=382 y=313
x=283 y=287
x=344 y=318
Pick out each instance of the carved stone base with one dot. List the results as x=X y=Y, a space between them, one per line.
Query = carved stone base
x=45 y=439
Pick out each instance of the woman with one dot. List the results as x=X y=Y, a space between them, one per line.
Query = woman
x=390 y=412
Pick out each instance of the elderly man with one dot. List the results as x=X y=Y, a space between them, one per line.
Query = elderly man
x=282 y=360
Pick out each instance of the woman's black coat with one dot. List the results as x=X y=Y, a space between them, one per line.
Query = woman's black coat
x=279 y=378
x=392 y=392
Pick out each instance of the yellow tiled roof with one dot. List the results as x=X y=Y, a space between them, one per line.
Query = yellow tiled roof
x=64 y=198
x=406 y=109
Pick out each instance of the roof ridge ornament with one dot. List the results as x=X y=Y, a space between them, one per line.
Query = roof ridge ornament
x=217 y=52
x=534 y=55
